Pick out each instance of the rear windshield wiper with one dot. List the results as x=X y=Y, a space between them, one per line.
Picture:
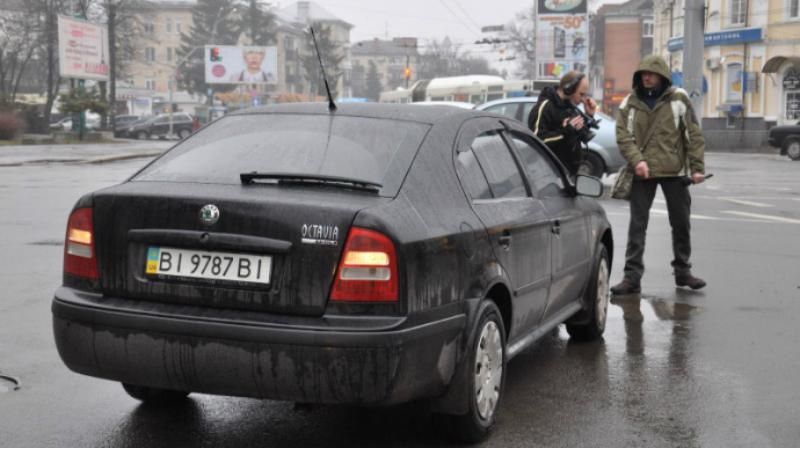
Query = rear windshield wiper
x=299 y=178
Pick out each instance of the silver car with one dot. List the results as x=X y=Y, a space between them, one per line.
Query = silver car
x=603 y=156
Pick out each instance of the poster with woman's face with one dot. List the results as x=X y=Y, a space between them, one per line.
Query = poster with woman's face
x=241 y=65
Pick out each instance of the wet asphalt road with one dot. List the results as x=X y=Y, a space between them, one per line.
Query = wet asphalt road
x=676 y=368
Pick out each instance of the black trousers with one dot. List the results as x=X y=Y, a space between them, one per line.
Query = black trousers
x=679 y=208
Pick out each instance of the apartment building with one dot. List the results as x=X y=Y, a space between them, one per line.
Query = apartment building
x=391 y=57
x=751 y=65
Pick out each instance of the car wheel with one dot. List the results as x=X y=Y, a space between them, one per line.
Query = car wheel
x=142 y=136
x=183 y=134
x=594 y=165
x=792 y=148
x=485 y=366
x=591 y=321
x=153 y=395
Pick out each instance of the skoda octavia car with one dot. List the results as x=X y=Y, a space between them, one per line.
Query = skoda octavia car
x=372 y=255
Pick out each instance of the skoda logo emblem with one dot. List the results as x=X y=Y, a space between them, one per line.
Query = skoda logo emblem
x=209 y=215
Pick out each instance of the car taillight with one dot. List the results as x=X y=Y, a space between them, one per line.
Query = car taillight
x=368 y=269
x=80 y=258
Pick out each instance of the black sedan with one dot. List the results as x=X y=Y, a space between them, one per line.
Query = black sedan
x=373 y=255
x=158 y=126
x=786 y=138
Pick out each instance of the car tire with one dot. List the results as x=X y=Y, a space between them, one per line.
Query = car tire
x=485 y=372
x=594 y=164
x=183 y=134
x=792 y=149
x=590 y=323
x=142 y=135
x=153 y=395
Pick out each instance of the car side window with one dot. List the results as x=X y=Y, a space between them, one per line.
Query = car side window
x=498 y=164
x=161 y=121
x=526 y=111
x=508 y=110
x=543 y=175
x=473 y=179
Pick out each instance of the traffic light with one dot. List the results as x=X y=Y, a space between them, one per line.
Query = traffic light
x=407 y=73
x=216 y=55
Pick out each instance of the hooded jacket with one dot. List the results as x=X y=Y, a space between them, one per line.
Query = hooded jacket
x=666 y=136
x=547 y=122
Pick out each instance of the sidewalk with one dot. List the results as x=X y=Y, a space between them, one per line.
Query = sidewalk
x=23 y=155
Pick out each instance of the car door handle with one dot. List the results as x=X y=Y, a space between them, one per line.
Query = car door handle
x=505 y=239
x=556 y=229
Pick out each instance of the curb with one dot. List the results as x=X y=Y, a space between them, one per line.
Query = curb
x=96 y=160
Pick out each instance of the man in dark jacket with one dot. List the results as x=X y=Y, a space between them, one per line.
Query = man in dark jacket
x=555 y=121
x=658 y=134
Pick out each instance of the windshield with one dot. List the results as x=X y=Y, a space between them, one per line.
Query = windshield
x=374 y=150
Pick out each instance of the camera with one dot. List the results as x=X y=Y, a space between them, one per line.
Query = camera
x=586 y=134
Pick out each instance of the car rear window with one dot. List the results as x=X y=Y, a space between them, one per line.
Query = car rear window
x=375 y=150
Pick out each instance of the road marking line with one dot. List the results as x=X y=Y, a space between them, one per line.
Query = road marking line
x=747 y=203
x=699 y=217
x=764 y=217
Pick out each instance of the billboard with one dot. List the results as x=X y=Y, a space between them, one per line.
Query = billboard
x=82 y=49
x=241 y=65
x=562 y=6
x=562 y=42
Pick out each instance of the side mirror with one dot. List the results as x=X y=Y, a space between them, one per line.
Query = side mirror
x=588 y=186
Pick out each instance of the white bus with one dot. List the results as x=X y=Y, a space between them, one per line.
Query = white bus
x=475 y=89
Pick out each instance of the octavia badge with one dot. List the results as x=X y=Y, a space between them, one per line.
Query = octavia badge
x=209 y=215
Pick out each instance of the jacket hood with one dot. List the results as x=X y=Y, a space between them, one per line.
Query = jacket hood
x=654 y=64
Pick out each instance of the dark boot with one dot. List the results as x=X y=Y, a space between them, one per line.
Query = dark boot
x=686 y=279
x=626 y=287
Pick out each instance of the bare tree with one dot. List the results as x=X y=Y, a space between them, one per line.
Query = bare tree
x=522 y=38
x=446 y=59
x=19 y=40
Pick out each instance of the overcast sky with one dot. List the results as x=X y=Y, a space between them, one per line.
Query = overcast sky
x=461 y=20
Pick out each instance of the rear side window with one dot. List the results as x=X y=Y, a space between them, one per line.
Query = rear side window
x=499 y=166
x=472 y=178
x=375 y=150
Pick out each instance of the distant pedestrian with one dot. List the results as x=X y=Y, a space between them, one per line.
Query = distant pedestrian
x=658 y=134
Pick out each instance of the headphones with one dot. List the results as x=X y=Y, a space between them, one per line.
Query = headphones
x=573 y=86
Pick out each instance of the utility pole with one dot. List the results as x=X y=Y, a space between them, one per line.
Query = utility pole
x=693 y=56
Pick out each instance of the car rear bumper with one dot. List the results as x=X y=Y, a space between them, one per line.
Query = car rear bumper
x=364 y=361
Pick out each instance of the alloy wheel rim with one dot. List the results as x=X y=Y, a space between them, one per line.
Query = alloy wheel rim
x=794 y=150
x=603 y=295
x=488 y=369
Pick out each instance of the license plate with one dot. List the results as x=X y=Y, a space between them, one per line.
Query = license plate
x=237 y=267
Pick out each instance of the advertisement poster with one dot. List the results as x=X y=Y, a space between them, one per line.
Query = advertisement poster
x=82 y=49
x=241 y=65
x=562 y=37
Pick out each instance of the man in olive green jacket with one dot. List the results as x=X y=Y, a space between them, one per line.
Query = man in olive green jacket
x=659 y=136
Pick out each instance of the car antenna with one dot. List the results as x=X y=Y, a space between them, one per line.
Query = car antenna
x=331 y=104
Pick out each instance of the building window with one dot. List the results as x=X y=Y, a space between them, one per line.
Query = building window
x=149 y=54
x=794 y=9
x=737 y=12
x=647 y=28
x=149 y=27
x=178 y=28
x=169 y=54
x=150 y=85
x=169 y=25
x=734 y=87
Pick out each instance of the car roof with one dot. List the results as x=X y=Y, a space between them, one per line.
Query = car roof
x=430 y=114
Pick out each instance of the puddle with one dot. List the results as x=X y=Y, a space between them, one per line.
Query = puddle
x=9 y=384
x=650 y=309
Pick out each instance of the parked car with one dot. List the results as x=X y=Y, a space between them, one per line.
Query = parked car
x=122 y=124
x=604 y=155
x=65 y=124
x=158 y=126
x=786 y=138
x=373 y=255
